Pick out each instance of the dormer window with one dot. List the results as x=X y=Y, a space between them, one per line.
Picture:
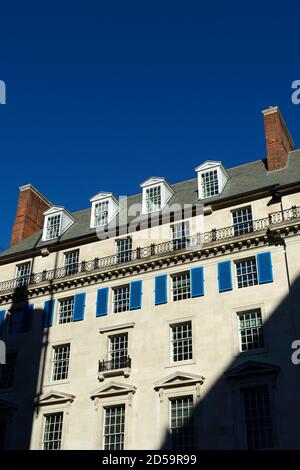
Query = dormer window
x=57 y=221
x=101 y=213
x=156 y=194
x=53 y=226
x=153 y=199
x=210 y=183
x=104 y=208
x=212 y=178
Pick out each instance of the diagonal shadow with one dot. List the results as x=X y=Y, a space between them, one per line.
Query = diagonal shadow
x=218 y=420
x=17 y=407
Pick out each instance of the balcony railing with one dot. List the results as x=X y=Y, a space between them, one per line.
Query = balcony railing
x=194 y=241
x=115 y=364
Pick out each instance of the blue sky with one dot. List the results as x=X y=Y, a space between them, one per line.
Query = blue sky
x=102 y=95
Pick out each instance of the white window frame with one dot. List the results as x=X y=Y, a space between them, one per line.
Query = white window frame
x=54 y=348
x=108 y=332
x=206 y=168
x=166 y=192
x=168 y=353
x=68 y=266
x=172 y=341
x=113 y=208
x=45 y=416
x=113 y=302
x=65 y=222
x=241 y=260
x=104 y=221
x=168 y=391
x=238 y=226
x=109 y=407
x=245 y=312
x=22 y=279
x=123 y=253
x=205 y=188
x=185 y=240
x=172 y=400
x=48 y=217
x=62 y=299
x=147 y=190
x=111 y=338
x=172 y=276
x=102 y=399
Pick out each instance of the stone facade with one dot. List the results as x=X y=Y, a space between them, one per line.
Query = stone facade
x=216 y=376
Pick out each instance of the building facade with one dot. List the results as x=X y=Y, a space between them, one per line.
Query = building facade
x=166 y=320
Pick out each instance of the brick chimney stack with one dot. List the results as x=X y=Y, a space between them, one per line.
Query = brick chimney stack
x=278 y=139
x=29 y=216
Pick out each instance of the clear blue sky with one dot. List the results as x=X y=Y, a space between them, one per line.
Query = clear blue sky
x=102 y=95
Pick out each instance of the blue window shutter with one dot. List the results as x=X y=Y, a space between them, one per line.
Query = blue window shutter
x=197 y=281
x=2 y=320
x=224 y=276
x=27 y=318
x=48 y=313
x=102 y=302
x=264 y=267
x=135 y=299
x=161 y=289
x=79 y=306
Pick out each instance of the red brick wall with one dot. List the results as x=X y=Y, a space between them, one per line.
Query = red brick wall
x=278 y=140
x=29 y=216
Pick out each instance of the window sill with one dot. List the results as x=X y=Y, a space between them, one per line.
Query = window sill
x=113 y=373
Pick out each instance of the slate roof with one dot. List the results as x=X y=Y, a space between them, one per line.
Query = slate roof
x=244 y=178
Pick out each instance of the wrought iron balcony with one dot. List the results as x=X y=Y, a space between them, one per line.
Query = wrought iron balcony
x=115 y=364
x=191 y=243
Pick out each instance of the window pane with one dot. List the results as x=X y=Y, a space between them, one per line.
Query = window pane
x=121 y=299
x=66 y=308
x=153 y=199
x=251 y=333
x=210 y=183
x=181 y=286
x=101 y=213
x=257 y=417
x=61 y=356
x=124 y=247
x=181 y=236
x=53 y=226
x=52 y=431
x=246 y=271
x=181 y=342
x=23 y=274
x=114 y=428
x=242 y=221
x=118 y=351
x=181 y=428
x=71 y=262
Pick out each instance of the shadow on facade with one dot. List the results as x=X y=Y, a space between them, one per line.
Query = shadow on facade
x=218 y=420
x=24 y=334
